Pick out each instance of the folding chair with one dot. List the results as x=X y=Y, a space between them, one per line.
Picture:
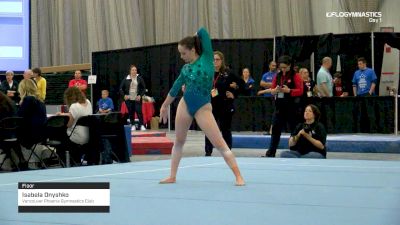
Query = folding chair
x=56 y=137
x=33 y=153
x=85 y=121
x=111 y=130
x=9 y=140
x=42 y=139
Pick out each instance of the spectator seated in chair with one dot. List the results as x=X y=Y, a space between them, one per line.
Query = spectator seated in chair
x=78 y=135
x=7 y=107
x=33 y=111
x=7 y=111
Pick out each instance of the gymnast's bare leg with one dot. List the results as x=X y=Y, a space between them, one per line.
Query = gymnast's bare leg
x=206 y=121
x=183 y=120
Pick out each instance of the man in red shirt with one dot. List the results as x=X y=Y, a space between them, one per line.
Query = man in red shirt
x=78 y=82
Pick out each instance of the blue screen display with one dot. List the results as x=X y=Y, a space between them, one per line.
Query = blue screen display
x=15 y=35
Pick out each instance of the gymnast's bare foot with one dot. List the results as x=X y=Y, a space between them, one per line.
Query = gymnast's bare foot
x=239 y=181
x=168 y=180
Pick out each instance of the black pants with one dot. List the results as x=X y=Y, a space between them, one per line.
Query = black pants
x=134 y=106
x=285 y=116
x=361 y=118
x=89 y=151
x=223 y=117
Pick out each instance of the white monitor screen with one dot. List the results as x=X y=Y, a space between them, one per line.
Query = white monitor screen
x=15 y=35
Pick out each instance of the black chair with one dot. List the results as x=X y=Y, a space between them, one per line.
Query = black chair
x=56 y=139
x=8 y=141
x=112 y=135
x=33 y=153
x=78 y=153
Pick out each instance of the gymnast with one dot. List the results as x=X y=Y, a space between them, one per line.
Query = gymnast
x=196 y=77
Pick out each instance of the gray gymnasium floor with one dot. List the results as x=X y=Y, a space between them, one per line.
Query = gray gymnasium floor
x=339 y=190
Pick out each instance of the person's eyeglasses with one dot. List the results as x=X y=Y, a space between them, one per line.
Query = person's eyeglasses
x=217 y=59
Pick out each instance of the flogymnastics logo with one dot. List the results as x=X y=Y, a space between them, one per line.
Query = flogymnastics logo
x=373 y=17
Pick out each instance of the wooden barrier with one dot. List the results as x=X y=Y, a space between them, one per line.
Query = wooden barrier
x=66 y=68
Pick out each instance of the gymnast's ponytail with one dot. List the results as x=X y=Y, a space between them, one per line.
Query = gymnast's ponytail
x=197 y=44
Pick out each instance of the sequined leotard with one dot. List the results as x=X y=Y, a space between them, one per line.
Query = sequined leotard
x=197 y=76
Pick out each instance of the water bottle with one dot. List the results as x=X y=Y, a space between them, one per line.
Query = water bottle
x=67 y=162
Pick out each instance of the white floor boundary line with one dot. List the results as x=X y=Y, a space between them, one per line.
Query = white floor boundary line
x=114 y=174
x=313 y=165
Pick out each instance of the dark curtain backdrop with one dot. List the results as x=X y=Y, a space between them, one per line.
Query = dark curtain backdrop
x=348 y=46
x=298 y=47
x=160 y=65
x=339 y=115
x=254 y=54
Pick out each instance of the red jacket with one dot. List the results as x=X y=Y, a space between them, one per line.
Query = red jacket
x=295 y=84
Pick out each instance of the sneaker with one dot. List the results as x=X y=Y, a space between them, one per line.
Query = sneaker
x=133 y=128
x=142 y=128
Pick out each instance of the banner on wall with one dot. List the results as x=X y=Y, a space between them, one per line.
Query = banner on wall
x=390 y=71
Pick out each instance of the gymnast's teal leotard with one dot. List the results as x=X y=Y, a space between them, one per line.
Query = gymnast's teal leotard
x=197 y=77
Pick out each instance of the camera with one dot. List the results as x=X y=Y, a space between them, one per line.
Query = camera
x=307 y=128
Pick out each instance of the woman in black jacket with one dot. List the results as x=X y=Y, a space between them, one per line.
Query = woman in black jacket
x=10 y=87
x=226 y=87
x=33 y=112
x=133 y=89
